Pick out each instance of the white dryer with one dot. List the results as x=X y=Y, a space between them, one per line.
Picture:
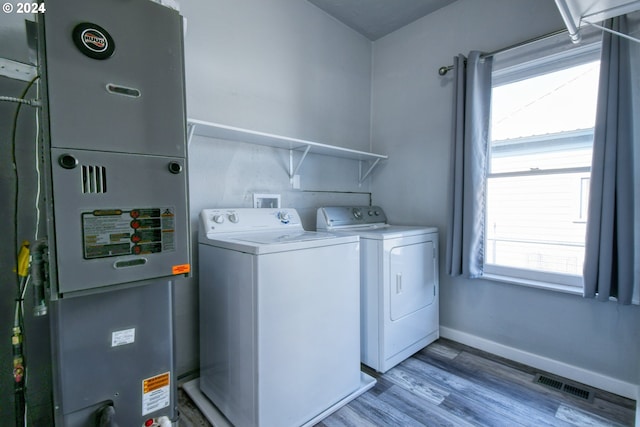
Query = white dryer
x=399 y=282
x=279 y=317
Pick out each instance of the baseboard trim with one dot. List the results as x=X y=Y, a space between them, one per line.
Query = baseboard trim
x=556 y=367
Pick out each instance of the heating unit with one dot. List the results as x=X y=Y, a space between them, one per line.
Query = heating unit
x=114 y=127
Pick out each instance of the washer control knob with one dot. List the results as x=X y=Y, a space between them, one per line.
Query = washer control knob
x=284 y=217
x=218 y=219
x=234 y=218
x=357 y=213
x=371 y=213
x=377 y=213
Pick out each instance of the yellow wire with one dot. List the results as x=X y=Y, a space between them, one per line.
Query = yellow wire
x=23 y=259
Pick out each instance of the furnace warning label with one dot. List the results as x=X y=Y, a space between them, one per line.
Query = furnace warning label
x=156 y=393
x=116 y=232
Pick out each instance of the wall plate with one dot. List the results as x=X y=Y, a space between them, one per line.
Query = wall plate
x=264 y=200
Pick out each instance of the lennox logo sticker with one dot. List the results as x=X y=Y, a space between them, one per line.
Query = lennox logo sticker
x=93 y=40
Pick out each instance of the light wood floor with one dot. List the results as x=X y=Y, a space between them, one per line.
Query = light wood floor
x=449 y=384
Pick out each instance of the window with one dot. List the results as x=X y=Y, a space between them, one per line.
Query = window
x=542 y=119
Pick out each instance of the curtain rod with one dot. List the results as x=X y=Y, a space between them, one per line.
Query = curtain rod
x=445 y=69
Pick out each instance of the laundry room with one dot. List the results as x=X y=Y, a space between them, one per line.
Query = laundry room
x=326 y=131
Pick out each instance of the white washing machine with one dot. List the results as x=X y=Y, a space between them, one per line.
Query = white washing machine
x=279 y=318
x=399 y=282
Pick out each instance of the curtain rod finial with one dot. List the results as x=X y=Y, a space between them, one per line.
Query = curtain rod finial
x=443 y=70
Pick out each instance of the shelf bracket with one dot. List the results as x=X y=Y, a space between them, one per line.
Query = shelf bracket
x=366 y=174
x=17 y=70
x=293 y=172
x=191 y=128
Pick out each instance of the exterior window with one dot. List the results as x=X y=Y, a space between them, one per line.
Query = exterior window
x=542 y=121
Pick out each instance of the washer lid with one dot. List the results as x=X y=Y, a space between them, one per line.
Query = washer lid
x=276 y=241
x=275 y=237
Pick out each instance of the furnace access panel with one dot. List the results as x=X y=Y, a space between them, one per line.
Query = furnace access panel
x=115 y=83
x=119 y=218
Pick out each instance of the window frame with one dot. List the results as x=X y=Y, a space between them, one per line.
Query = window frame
x=529 y=62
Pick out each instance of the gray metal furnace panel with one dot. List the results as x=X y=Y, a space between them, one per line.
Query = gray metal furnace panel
x=116 y=349
x=131 y=101
x=119 y=218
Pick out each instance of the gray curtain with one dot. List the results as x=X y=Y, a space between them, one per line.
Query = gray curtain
x=472 y=107
x=609 y=248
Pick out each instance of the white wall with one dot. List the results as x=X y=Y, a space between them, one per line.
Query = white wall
x=276 y=66
x=279 y=66
x=411 y=121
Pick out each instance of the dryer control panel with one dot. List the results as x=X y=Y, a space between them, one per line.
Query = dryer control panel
x=349 y=216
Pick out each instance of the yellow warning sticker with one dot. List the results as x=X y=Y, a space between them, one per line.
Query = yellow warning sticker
x=156 y=393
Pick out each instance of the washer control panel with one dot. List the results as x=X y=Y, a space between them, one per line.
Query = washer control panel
x=248 y=219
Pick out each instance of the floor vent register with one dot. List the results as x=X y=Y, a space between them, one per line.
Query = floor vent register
x=559 y=384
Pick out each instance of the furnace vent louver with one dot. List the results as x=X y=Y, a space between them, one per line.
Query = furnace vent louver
x=94 y=179
x=558 y=384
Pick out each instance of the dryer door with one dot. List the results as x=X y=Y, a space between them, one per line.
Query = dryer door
x=412 y=278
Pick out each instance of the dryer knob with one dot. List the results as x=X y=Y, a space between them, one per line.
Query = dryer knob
x=357 y=213
x=218 y=219
x=234 y=218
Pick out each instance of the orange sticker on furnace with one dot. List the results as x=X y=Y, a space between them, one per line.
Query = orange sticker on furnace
x=156 y=393
x=181 y=269
x=154 y=383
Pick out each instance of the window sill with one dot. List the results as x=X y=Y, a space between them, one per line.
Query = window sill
x=567 y=289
